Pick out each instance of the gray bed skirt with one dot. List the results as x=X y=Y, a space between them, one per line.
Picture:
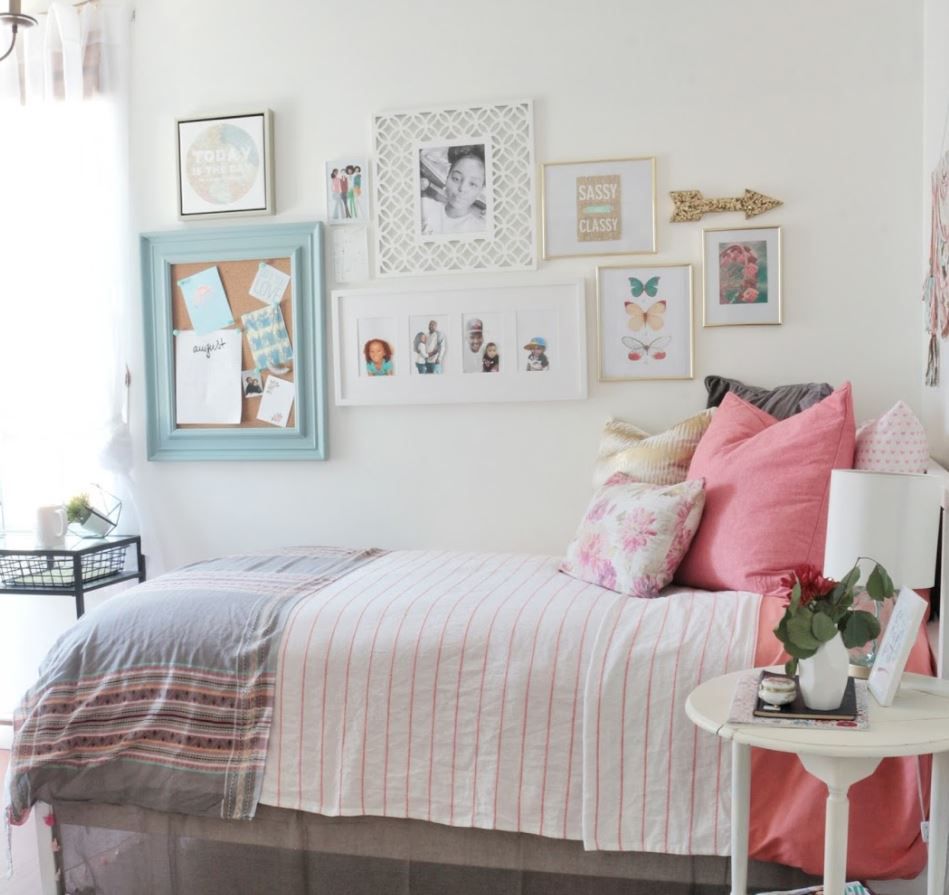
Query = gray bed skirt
x=114 y=850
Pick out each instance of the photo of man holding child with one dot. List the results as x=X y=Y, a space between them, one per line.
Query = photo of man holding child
x=454 y=191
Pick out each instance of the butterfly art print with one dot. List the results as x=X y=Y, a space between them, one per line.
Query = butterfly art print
x=645 y=322
x=642 y=319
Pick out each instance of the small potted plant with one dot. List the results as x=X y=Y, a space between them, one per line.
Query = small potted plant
x=819 y=626
x=81 y=513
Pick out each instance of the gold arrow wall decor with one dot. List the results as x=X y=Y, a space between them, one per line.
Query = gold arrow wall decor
x=691 y=205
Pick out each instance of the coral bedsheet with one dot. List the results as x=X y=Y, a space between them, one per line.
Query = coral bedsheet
x=787 y=804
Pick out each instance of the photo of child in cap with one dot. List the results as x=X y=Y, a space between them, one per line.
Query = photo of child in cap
x=537 y=358
x=453 y=182
x=378 y=354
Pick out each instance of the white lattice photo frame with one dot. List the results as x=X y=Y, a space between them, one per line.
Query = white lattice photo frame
x=502 y=136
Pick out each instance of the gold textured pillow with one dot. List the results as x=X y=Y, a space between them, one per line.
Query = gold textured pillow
x=661 y=459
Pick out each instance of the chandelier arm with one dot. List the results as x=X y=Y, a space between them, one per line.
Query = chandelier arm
x=12 y=44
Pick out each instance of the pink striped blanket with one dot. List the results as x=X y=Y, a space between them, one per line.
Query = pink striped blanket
x=491 y=690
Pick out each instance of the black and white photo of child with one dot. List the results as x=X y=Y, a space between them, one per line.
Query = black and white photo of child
x=454 y=190
x=429 y=343
x=491 y=360
x=252 y=383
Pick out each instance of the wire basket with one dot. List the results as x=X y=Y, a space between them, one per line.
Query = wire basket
x=30 y=571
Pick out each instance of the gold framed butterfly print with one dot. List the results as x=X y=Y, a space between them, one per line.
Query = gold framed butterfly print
x=603 y=207
x=741 y=285
x=644 y=322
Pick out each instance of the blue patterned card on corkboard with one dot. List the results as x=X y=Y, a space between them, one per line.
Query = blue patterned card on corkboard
x=267 y=336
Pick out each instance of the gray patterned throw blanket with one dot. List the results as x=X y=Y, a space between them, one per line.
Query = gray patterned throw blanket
x=163 y=696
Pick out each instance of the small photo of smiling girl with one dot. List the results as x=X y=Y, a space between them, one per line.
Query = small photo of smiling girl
x=455 y=190
x=376 y=346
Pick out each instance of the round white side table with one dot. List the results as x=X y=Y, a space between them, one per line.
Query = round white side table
x=916 y=724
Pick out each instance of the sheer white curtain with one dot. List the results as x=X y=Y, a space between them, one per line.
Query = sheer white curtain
x=64 y=290
x=64 y=243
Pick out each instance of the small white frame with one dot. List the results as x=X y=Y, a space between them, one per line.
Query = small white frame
x=566 y=378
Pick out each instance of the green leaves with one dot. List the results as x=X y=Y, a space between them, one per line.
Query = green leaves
x=808 y=624
x=823 y=627
x=795 y=597
x=799 y=629
x=879 y=584
x=858 y=628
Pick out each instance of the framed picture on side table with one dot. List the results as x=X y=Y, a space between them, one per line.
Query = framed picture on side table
x=603 y=207
x=742 y=276
x=644 y=321
x=225 y=165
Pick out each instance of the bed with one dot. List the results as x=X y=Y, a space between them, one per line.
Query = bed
x=391 y=712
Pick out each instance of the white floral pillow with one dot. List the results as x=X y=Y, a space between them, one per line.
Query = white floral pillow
x=634 y=535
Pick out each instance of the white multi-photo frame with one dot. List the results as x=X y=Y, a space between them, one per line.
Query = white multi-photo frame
x=644 y=321
x=454 y=189
x=508 y=342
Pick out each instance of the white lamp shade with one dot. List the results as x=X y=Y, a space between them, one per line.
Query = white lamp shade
x=891 y=518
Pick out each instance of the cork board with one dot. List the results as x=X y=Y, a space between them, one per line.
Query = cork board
x=237 y=277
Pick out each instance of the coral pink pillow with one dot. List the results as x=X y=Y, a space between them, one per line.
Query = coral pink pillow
x=766 y=485
x=895 y=442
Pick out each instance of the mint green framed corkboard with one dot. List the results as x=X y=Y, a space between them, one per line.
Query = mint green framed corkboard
x=299 y=248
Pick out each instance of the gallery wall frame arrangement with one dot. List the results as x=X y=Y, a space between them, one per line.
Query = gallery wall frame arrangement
x=499 y=342
x=741 y=284
x=599 y=207
x=644 y=322
x=225 y=165
x=234 y=343
x=454 y=189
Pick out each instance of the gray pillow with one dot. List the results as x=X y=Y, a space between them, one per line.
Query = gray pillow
x=780 y=402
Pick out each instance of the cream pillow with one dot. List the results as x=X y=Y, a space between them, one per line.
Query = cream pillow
x=661 y=459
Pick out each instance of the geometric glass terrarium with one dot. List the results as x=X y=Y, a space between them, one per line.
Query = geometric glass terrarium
x=93 y=513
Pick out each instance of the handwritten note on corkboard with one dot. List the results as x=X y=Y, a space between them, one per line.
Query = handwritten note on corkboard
x=237 y=277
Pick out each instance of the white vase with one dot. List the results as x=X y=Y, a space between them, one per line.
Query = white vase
x=823 y=677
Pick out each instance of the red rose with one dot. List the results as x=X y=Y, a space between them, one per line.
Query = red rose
x=813 y=583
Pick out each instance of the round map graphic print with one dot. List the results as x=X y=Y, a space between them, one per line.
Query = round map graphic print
x=223 y=164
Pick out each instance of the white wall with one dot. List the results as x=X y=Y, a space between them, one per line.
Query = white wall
x=818 y=104
x=935 y=142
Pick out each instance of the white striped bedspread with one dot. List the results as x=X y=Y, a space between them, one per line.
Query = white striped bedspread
x=492 y=691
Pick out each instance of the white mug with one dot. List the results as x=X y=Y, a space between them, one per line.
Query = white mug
x=51 y=527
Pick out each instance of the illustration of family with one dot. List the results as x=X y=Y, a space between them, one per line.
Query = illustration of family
x=430 y=349
x=453 y=181
x=346 y=188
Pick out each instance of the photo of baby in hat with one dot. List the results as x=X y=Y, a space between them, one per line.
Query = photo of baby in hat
x=537 y=361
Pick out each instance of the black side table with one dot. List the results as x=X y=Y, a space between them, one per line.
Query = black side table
x=82 y=565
